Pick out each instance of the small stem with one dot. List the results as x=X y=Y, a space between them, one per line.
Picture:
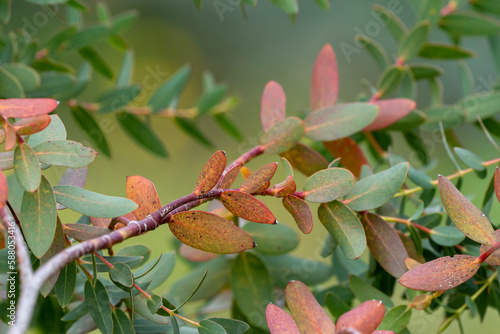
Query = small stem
x=407 y=222
x=375 y=144
x=243 y=159
x=490 y=251
x=447 y=147
x=18 y=222
x=487 y=133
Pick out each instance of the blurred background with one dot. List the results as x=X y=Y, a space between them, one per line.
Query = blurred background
x=245 y=53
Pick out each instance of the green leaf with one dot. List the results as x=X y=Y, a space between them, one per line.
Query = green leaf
x=470 y=159
x=272 y=239
x=125 y=74
x=344 y=226
x=466 y=78
x=121 y=323
x=389 y=80
x=364 y=291
x=465 y=215
x=123 y=21
x=82 y=79
x=10 y=86
x=64 y=153
x=227 y=125
x=447 y=236
x=468 y=23
x=141 y=133
x=385 y=244
x=425 y=71
x=429 y=10
x=136 y=250
x=375 y=49
x=121 y=273
x=5 y=10
x=190 y=128
x=329 y=246
x=210 y=99
x=99 y=306
x=90 y=127
x=396 y=319
x=413 y=40
x=491 y=6
x=443 y=51
x=169 y=92
x=252 y=287
x=76 y=313
x=88 y=36
x=55 y=131
x=231 y=325
x=93 y=204
x=154 y=303
x=209 y=232
x=6 y=160
x=339 y=121
x=483 y=104
x=97 y=62
x=282 y=136
x=66 y=283
x=210 y=327
x=377 y=189
x=27 y=76
x=450 y=116
x=288 y=6
x=52 y=83
x=116 y=98
x=393 y=23
x=336 y=305
x=27 y=168
x=328 y=185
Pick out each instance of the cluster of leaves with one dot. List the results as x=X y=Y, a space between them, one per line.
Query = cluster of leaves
x=356 y=205
x=32 y=68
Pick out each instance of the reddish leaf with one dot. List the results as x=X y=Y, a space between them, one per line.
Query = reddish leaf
x=300 y=211
x=441 y=274
x=195 y=255
x=465 y=215
x=211 y=173
x=305 y=159
x=257 y=182
x=22 y=108
x=280 y=322
x=247 y=207
x=363 y=319
x=325 y=80
x=143 y=193
x=29 y=126
x=229 y=177
x=285 y=188
x=411 y=263
x=307 y=312
x=10 y=135
x=350 y=154
x=100 y=222
x=4 y=190
x=494 y=258
x=273 y=104
x=82 y=232
x=390 y=111
x=209 y=232
x=383 y=332
x=497 y=183
x=385 y=244
x=421 y=302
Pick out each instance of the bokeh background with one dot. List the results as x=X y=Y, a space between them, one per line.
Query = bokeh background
x=245 y=53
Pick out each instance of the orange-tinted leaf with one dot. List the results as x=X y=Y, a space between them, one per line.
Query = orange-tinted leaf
x=10 y=135
x=494 y=258
x=363 y=319
x=411 y=263
x=390 y=111
x=4 y=190
x=82 y=232
x=285 y=188
x=305 y=159
x=143 y=192
x=350 y=154
x=258 y=180
x=280 y=322
x=247 y=207
x=211 y=173
x=300 y=211
x=22 y=108
x=245 y=172
x=385 y=244
x=421 y=302
x=130 y=216
x=273 y=104
x=497 y=183
x=209 y=232
x=29 y=126
x=307 y=312
x=325 y=79
x=441 y=274
x=195 y=255
x=465 y=215
x=282 y=136
x=228 y=178
x=100 y=222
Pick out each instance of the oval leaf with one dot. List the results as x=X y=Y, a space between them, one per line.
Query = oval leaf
x=494 y=258
x=65 y=153
x=22 y=108
x=259 y=180
x=273 y=239
x=470 y=159
x=377 y=189
x=305 y=309
x=26 y=167
x=272 y=110
x=363 y=319
x=465 y=215
x=441 y=274
x=99 y=306
x=93 y=204
x=141 y=133
x=344 y=226
x=211 y=173
x=143 y=193
x=209 y=232
x=300 y=211
x=282 y=136
x=29 y=126
x=247 y=207
x=280 y=322
x=447 y=236
x=339 y=121
x=325 y=80
x=390 y=111
x=305 y=159
x=328 y=185
x=349 y=152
